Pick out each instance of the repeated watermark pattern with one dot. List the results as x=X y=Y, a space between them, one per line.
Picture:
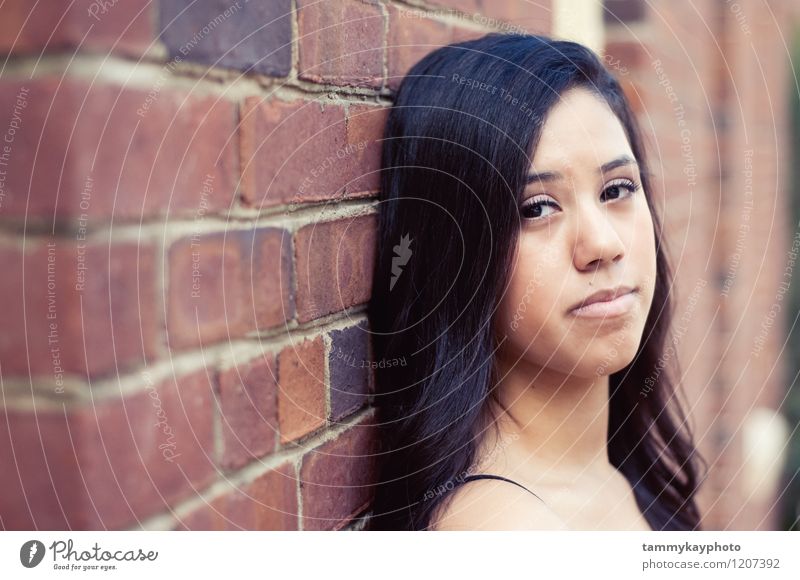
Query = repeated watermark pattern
x=168 y=448
x=52 y=319
x=450 y=484
x=611 y=355
x=402 y=254
x=100 y=8
x=206 y=191
x=169 y=68
x=80 y=237
x=8 y=139
x=690 y=166
x=783 y=288
x=475 y=18
x=741 y=20
x=341 y=154
x=504 y=95
x=669 y=352
x=744 y=225
x=536 y=281
x=614 y=63
x=353 y=361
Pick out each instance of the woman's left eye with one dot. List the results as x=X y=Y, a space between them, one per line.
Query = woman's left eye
x=622 y=184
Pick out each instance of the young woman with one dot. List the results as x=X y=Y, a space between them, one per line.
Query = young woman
x=521 y=276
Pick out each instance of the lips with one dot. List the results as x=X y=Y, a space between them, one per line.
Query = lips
x=604 y=295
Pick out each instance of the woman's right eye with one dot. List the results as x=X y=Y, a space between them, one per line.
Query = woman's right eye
x=533 y=208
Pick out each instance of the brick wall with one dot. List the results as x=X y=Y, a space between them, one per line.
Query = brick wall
x=187 y=223
x=711 y=83
x=187 y=220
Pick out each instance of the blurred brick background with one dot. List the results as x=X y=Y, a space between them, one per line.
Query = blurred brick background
x=714 y=84
x=187 y=229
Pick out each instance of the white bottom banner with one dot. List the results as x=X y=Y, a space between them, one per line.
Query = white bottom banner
x=389 y=555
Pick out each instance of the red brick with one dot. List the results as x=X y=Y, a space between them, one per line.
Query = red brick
x=327 y=156
x=63 y=25
x=334 y=262
x=365 y=128
x=461 y=34
x=146 y=154
x=103 y=317
x=248 y=397
x=341 y=42
x=510 y=15
x=466 y=7
x=33 y=444
x=337 y=479
x=110 y=464
x=268 y=503
x=619 y=12
x=625 y=56
x=292 y=151
x=268 y=277
x=248 y=36
x=301 y=395
x=223 y=285
x=350 y=368
x=130 y=447
x=205 y=277
x=411 y=38
x=534 y=17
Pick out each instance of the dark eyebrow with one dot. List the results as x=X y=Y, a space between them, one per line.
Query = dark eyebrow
x=606 y=167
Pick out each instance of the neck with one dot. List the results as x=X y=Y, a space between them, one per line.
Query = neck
x=557 y=421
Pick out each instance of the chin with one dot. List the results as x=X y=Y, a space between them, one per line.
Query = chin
x=612 y=360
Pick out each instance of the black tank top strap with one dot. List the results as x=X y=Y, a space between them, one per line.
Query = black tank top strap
x=500 y=477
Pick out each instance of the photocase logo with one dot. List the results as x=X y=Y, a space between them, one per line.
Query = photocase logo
x=402 y=255
x=31 y=553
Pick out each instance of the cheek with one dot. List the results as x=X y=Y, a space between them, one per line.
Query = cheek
x=531 y=295
x=643 y=246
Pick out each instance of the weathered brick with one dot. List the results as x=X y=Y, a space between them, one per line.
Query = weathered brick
x=461 y=34
x=135 y=440
x=617 y=12
x=292 y=151
x=534 y=17
x=411 y=37
x=223 y=285
x=82 y=307
x=466 y=7
x=205 y=276
x=268 y=277
x=301 y=395
x=247 y=36
x=143 y=152
x=32 y=444
x=63 y=25
x=624 y=56
x=319 y=156
x=248 y=397
x=337 y=478
x=334 y=262
x=267 y=503
x=511 y=15
x=350 y=367
x=341 y=42
x=365 y=127
x=112 y=463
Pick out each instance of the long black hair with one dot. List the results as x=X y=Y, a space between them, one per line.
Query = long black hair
x=458 y=144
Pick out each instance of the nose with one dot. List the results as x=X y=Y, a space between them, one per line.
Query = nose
x=597 y=240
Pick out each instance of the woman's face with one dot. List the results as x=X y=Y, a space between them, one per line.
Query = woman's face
x=585 y=226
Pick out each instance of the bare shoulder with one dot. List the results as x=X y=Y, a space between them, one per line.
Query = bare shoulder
x=494 y=505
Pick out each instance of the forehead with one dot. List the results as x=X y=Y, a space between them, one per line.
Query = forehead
x=579 y=130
